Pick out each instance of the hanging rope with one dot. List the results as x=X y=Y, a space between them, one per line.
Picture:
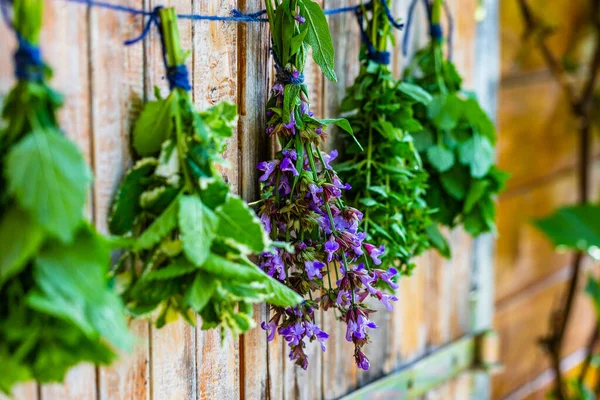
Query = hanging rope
x=435 y=30
x=177 y=75
x=380 y=57
x=27 y=59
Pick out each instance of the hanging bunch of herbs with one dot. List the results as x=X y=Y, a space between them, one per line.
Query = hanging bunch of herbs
x=190 y=238
x=389 y=182
x=457 y=140
x=56 y=307
x=331 y=266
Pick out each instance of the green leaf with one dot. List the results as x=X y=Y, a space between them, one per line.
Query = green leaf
x=200 y=291
x=154 y=126
x=49 y=178
x=198 y=225
x=20 y=238
x=593 y=290
x=225 y=269
x=290 y=94
x=177 y=268
x=343 y=124
x=478 y=153
x=456 y=182
x=319 y=37
x=297 y=41
x=476 y=192
x=575 y=227
x=445 y=111
x=126 y=204
x=416 y=92
x=441 y=158
x=72 y=286
x=239 y=226
x=160 y=227
x=438 y=240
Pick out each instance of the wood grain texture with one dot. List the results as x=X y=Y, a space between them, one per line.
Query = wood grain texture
x=340 y=374
x=214 y=60
x=253 y=81
x=65 y=47
x=173 y=368
x=117 y=85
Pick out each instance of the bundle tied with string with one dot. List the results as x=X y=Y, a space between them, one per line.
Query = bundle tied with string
x=388 y=181
x=49 y=253
x=193 y=236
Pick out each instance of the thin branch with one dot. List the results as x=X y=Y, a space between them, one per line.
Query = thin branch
x=589 y=354
x=532 y=26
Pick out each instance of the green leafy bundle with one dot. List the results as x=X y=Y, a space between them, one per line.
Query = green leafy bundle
x=388 y=181
x=56 y=307
x=456 y=143
x=190 y=237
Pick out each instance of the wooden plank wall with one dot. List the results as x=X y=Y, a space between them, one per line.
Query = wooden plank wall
x=105 y=84
x=538 y=146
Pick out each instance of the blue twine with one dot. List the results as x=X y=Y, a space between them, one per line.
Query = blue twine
x=236 y=15
x=177 y=75
x=379 y=57
x=435 y=30
x=28 y=61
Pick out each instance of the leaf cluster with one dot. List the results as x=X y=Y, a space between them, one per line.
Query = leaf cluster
x=456 y=144
x=292 y=39
x=56 y=307
x=388 y=180
x=190 y=238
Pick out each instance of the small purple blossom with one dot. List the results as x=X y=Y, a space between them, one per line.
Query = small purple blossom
x=313 y=269
x=300 y=18
x=374 y=252
x=270 y=327
x=267 y=167
x=361 y=360
x=331 y=246
x=327 y=158
x=288 y=165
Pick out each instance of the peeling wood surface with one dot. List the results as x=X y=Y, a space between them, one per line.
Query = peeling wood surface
x=105 y=84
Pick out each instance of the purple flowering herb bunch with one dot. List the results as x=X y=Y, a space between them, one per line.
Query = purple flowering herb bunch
x=327 y=261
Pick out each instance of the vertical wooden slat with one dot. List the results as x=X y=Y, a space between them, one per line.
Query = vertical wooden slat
x=117 y=84
x=253 y=72
x=172 y=359
x=215 y=69
x=65 y=45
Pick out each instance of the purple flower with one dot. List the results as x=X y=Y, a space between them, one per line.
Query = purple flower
x=284 y=186
x=270 y=129
x=277 y=89
x=293 y=334
x=314 y=332
x=374 y=252
x=331 y=246
x=327 y=158
x=313 y=269
x=304 y=108
x=272 y=263
x=361 y=360
x=292 y=124
x=267 y=167
x=338 y=183
x=266 y=221
x=319 y=130
x=343 y=298
x=314 y=190
x=300 y=18
x=288 y=165
x=270 y=328
x=385 y=300
x=387 y=277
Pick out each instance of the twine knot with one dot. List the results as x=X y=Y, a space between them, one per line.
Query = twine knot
x=436 y=32
x=178 y=77
x=28 y=62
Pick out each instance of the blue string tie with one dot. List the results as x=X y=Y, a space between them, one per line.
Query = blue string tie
x=28 y=62
x=435 y=30
x=286 y=77
x=379 y=57
x=177 y=75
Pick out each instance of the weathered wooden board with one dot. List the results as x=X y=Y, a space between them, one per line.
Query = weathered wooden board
x=105 y=84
